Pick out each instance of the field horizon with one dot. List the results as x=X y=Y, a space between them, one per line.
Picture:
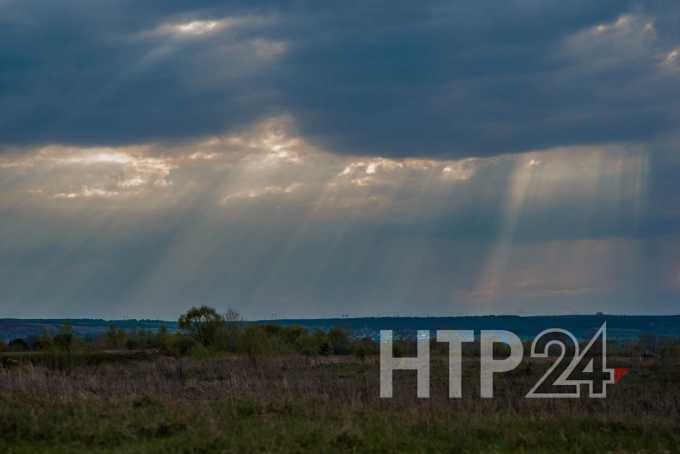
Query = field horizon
x=620 y=327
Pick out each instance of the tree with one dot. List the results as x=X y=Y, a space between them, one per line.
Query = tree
x=228 y=336
x=201 y=323
x=232 y=316
x=3 y=346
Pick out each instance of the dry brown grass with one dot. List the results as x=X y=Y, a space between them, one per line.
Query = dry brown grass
x=141 y=403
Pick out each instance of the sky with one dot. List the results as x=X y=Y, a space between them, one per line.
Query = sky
x=305 y=159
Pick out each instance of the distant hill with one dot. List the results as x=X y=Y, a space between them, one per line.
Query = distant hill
x=11 y=328
x=620 y=327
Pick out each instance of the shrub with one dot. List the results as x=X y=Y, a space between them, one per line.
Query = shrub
x=255 y=342
x=293 y=335
x=339 y=342
x=180 y=344
x=321 y=344
x=161 y=338
x=45 y=342
x=312 y=344
x=199 y=351
x=273 y=330
x=65 y=339
x=227 y=338
x=144 y=338
x=132 y=343
x=3 y=346
x=365 y=347
x=115 y=338
x=18 y=345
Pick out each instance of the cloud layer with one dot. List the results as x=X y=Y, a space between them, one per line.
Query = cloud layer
x=371 y=78
x=266 y=222
x=362 y=158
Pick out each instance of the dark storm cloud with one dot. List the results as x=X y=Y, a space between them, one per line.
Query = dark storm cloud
x=389 y=78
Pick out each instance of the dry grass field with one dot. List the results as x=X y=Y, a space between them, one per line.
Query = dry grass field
x=292 y=403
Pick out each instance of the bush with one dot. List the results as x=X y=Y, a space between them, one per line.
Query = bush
x=227 y=338
x=273 y=330
x=294 y=335
x=199 y=351
x=18 y=345
x=339 y=342
x=161 y=338
x=255 y=343
x=325 y=347
x=65 y=339
x=144 y=338
x=45 y=342
x=3 y=346
x=364 y=348
x=115 y=338
x=310 y=345
x=180 y=344
x=132 y=343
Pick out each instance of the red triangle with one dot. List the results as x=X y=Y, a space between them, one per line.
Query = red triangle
x=620 y=372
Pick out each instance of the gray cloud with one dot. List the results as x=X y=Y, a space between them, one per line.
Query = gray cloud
x=434 y=79
x=366 y=158
x=268 y=223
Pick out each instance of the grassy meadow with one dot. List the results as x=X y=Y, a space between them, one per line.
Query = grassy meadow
x=219 y=386
x=295 y=403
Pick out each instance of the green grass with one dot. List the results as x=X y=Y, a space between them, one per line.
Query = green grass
x=244 y=426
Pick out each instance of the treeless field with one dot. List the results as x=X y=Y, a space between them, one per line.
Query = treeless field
x=291 y=403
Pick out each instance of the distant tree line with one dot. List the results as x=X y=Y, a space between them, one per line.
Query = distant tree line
x=202 y=332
